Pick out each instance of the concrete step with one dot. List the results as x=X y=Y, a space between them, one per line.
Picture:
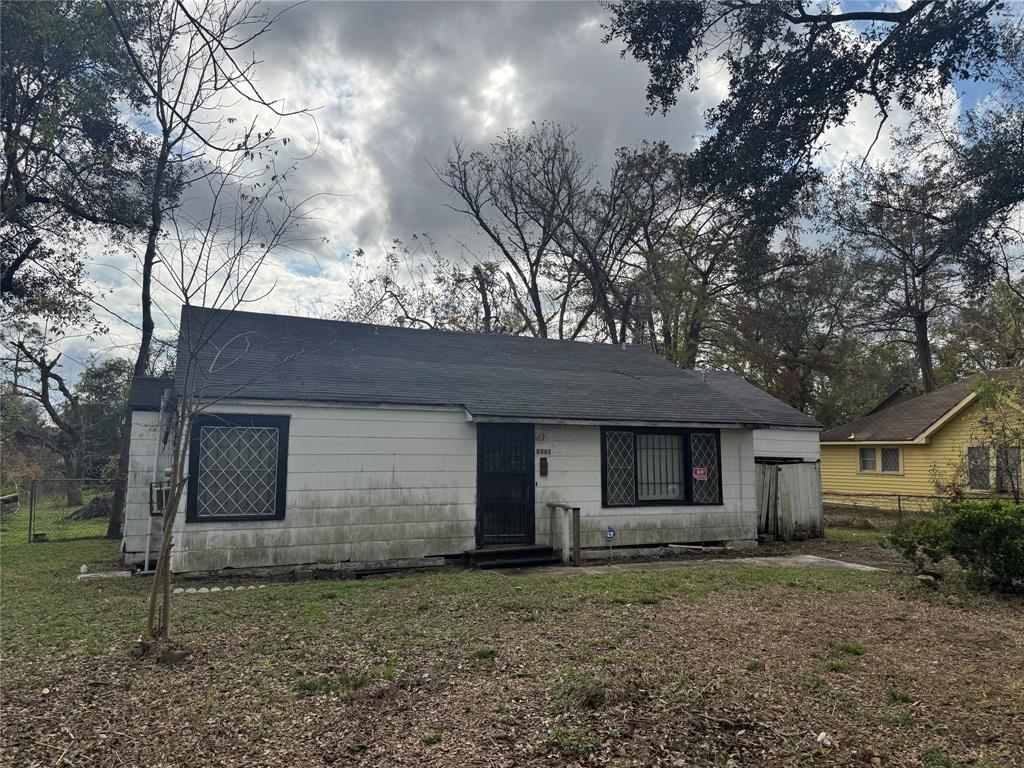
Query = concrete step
x=519 y=562
x=511 y=556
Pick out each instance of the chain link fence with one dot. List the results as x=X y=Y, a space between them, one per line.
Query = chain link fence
x=880 y=511
x=59 y=509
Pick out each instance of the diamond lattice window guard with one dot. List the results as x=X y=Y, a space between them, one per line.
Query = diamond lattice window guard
x=620 y=476
x=237 y=472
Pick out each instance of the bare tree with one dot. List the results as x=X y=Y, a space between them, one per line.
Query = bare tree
x=518 y=195
x=194 y=68
x=216 y=250
x=416 y=287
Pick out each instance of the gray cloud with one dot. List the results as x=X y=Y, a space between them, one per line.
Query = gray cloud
x=393 y=84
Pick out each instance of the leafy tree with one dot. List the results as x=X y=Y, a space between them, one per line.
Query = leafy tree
x=790 y=335
x=797 y=69
x=72 y=165
x=982 y=335
x=901 y=223
x=77 y=420
x=102 y=389
x=25 y=457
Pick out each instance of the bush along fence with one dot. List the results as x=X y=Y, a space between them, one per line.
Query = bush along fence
x=986 y=538
x=58 y=509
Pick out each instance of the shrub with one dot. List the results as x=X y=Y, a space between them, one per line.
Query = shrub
x=988 y=538
x=984 y=537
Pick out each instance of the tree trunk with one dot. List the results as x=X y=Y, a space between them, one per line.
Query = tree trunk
x=73 y=491
x=120 y=491
x=74 y=468
x=923 y=348
x=694 y=332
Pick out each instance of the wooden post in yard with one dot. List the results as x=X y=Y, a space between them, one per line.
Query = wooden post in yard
x=575 y=535
x=899 y=509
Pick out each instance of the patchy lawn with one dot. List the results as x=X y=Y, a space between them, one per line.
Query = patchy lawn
x=707 y=665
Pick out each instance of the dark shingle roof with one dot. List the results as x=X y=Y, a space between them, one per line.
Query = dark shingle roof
x=760 y=402
x=145 y=393
x=908 y=419
x=275 y=357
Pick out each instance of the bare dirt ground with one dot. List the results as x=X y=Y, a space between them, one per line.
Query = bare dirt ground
x=714 y=665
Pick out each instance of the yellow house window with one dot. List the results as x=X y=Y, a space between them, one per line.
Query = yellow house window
x=872 y=461
x=867 y=460
x=978 y=468
x=891 y=463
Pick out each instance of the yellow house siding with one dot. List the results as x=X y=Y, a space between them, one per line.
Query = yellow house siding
x=945 y=450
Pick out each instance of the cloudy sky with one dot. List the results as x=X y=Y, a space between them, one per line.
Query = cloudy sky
x=391 y=85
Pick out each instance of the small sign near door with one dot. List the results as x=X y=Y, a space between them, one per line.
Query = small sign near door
x=700 y=473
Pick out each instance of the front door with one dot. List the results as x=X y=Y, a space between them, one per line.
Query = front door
x=504 y=510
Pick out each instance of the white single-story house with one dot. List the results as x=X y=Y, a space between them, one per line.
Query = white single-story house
x=334 y=442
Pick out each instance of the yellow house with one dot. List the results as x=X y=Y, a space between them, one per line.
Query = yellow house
x=910 y=448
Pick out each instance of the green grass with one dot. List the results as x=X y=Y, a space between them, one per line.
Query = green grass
x=570 y=740
x=857 y=536
x=44 y=609
x=579 y=690
x=851 y=648
x=313 y=684
x=431 y=737
x=51 y=513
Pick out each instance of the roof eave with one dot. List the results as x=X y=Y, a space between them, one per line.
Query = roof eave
x=924 y=436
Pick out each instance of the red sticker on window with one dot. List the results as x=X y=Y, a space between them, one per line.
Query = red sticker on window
x=700 y=473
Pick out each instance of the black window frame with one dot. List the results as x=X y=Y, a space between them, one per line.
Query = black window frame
x=687 y=468
x=281 y=423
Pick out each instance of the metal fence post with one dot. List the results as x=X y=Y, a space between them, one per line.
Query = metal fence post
x=31 y=508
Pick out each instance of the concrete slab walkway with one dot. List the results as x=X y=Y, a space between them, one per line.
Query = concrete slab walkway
x=794 y=561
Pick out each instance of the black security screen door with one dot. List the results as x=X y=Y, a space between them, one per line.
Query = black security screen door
x=504 y=512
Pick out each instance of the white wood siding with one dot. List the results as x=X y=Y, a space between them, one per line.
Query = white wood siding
x=574 y=478
x=365 y=484
x=142 y=461
x=787 y=444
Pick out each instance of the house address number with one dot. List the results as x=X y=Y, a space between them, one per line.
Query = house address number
x=543 y=451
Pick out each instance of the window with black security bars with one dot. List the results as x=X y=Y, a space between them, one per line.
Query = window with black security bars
x=620 y=468
x=659 y=466
x=238 y=469
x=704 y=461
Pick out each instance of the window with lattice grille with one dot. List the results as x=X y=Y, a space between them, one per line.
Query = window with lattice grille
x=978 y=468
x=1008 y=469
x=891 y=460
x=620 y=468
x=704 y=460
x=237 y=467
x=648 y=467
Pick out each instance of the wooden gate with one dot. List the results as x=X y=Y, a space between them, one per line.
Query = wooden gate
x=767 y=493
x=505 y=508
x=789 y=500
